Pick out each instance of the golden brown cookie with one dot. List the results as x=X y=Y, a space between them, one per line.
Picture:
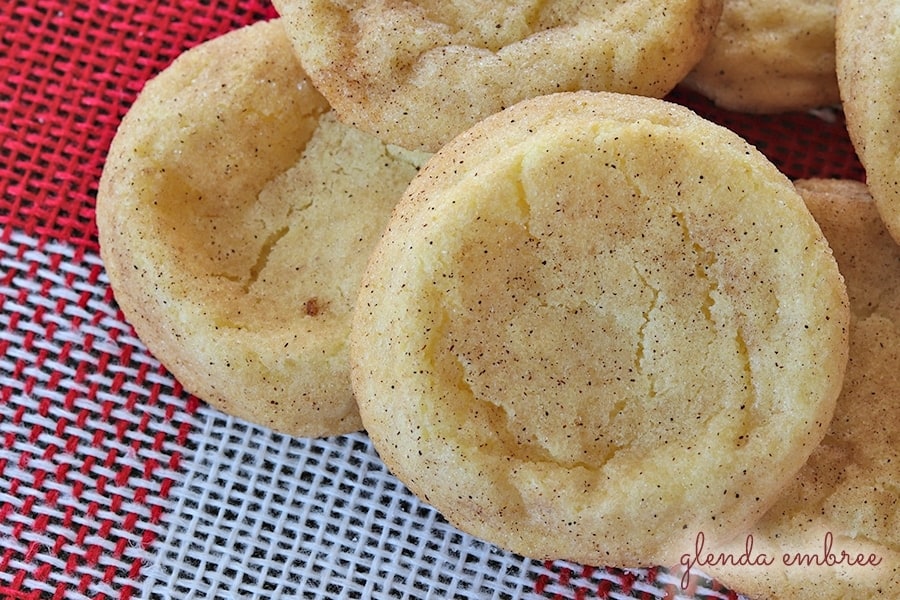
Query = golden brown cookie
x=596 y=325
x=835 y=531
x=235 y=217
x=417 y=73
x=770 y=56
x=868 y=68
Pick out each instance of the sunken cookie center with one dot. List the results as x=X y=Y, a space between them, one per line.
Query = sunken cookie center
x=292 y=246
x=585 y=315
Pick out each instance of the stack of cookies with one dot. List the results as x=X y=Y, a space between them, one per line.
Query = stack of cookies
x=581 y=321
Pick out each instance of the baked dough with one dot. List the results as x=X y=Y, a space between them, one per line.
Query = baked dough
x=418 y=73
x=770 y=56
x=868 y=69
x=849 y=491
x=596 y=325
x=235 y=217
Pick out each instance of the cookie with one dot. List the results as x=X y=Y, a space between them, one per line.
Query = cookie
x=868 y=70
x=418 y=73
x=844 y=502
x=770 y=56
x=596 y=325
x=235 y=215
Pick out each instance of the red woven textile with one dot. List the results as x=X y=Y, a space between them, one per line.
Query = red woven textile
x=84 y=464
x=93 y=432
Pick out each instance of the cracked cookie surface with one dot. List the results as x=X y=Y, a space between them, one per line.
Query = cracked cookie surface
x=235 y=216
x=416 y=73
x=847 y=494
x=597 y=325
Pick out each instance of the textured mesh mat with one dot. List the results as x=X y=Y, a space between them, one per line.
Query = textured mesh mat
x=116 y=483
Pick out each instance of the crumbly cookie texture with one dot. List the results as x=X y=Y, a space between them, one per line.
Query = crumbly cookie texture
x=847 y=493
x=868 y=70
x=235 y=216
x=770 y=56
x=418 y=73
x=597 y=325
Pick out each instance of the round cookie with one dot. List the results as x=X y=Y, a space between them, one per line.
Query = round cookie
x=868 y=70
x=235 y=216
x=770 y=56
x=847 y=493
x=596 y=325
x=418 y=73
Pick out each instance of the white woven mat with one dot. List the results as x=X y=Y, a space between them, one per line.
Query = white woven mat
x=118 y=484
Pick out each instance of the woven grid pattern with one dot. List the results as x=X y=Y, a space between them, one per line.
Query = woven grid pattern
x=261 y=514
x=116 y=483
x=289 y=516
x=70 y=70
x=119 y=484
x=89 y=443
